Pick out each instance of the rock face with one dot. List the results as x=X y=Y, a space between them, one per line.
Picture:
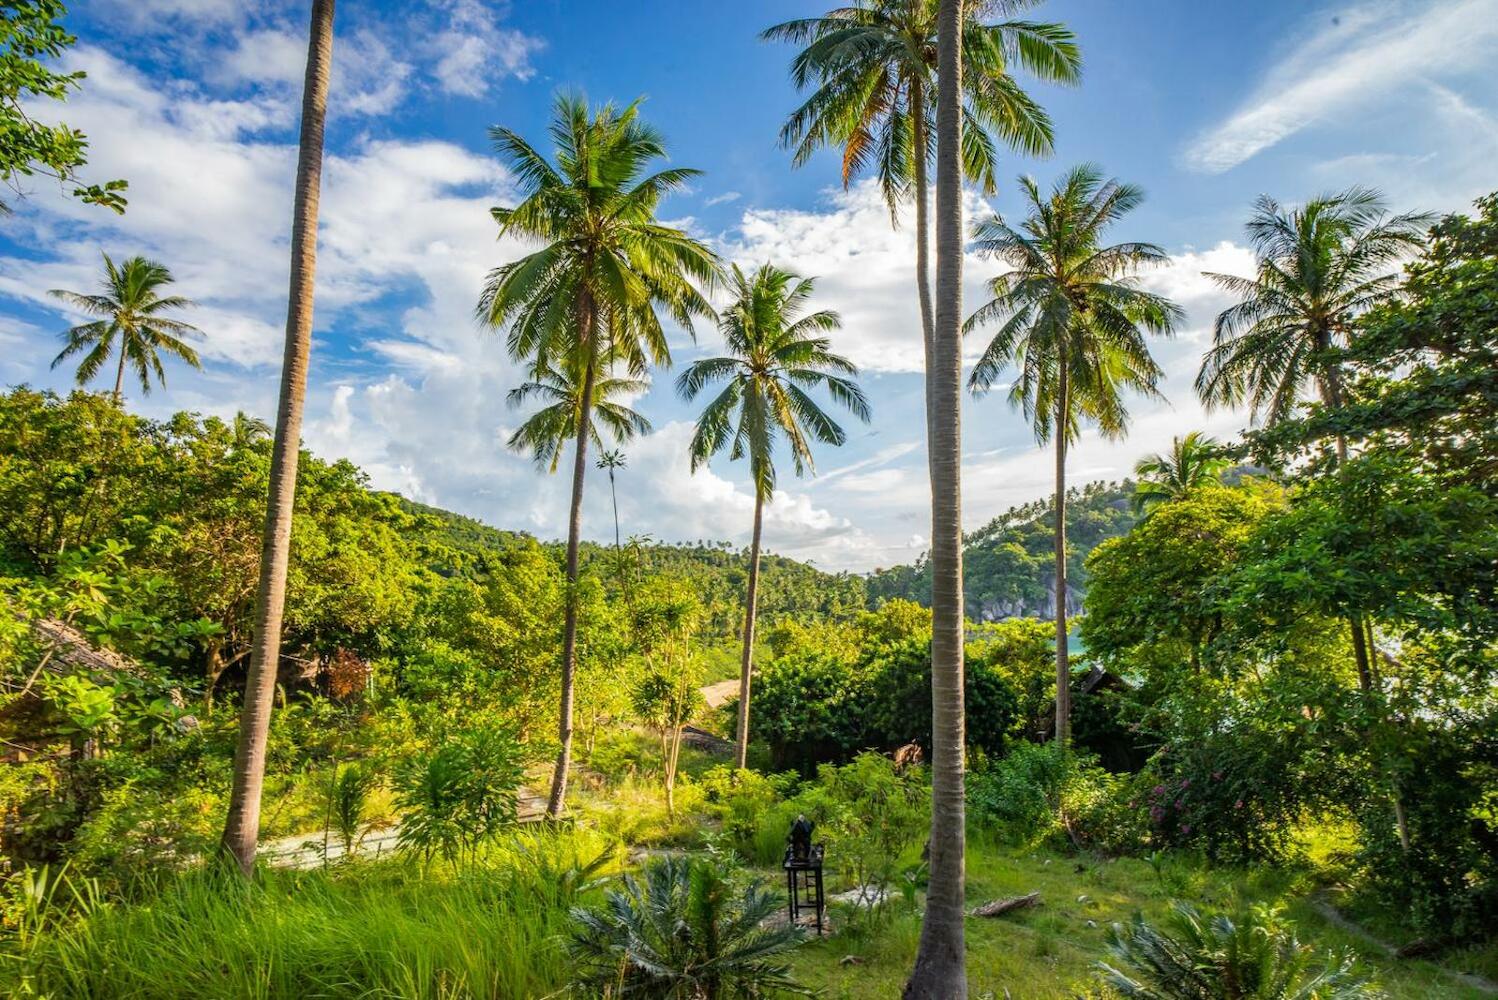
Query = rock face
x=996 y=611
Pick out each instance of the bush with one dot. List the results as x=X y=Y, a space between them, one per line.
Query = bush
x=1446 y=883
x=1047 y=792
x=461 y=796
x=742 y=801
x=870 y=815
x=1255 y=955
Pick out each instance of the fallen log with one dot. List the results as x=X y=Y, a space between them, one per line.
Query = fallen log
x=999 y=907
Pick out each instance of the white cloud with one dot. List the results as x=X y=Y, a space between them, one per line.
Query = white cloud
x=474 y=51
x=723 y=199
x=1363 y=57
x=865 y=269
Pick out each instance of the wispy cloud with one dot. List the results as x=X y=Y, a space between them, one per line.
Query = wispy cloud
x=723 y=199
x=1361 y=57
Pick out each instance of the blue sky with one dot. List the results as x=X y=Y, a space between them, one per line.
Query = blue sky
x=195 y=102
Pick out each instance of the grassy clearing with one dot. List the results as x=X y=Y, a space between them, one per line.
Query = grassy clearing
x=371 y=929
x=1048 y=953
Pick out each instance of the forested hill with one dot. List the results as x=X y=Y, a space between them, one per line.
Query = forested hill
x=1009 y=563
x=718 y=569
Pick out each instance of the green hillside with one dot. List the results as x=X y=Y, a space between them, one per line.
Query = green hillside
x=1009 y=563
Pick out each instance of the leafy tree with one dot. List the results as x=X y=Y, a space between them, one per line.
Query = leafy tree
x=31 y=35
x=872 y=70
x=134 y=322
x=1154 y=589
x=591 y=295
x=775 y=355
x=242 y=829
x=666 y=615
x=680 y=929
x=1193 y=461
x=1074 y=321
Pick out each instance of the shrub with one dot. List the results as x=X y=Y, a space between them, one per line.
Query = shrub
x=741 y=800
x=1255 y=955
x=680 y=929
x=1445 y=884
x=461 y=796
x=870 y=815
x=1045 y=791
x=347 y=800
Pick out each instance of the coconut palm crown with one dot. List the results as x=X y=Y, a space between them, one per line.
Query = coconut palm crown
x=873 y=69
x=1072 y=316
x=133 y=321
x=1193 y=461
x=559 y=390
x=776 y=354
x=1317 y=268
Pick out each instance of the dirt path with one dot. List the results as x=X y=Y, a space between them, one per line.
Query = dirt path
x=1335 y=917
x=305 y=850
x=720 y=693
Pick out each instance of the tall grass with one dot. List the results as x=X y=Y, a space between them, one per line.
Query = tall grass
x=492 y=928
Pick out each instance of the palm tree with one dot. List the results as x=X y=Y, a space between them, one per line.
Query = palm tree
x=680 y=929
x=547 y=430
x=1193 y=461
x=133 y=313
x=1318 y=267
x=242 y=829
x=589 y=297
x=775 y=355
x=940 y=970
x=1074 y=322
x=873 y=67
x=612 y=461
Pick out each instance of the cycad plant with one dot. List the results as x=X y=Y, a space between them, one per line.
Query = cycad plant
x=133 y=323
x=776 y=354
x=590 y=297
x=1073 y=321
x=1253 y=957
x=1193 y=461
x=680 y=931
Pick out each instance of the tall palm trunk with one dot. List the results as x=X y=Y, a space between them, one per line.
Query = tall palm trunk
x=1331 y=397
x=1063 y=654
x=751 y=602
x=557 y=800
x=940 y=970
x=243 y=827
x=119 y=374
